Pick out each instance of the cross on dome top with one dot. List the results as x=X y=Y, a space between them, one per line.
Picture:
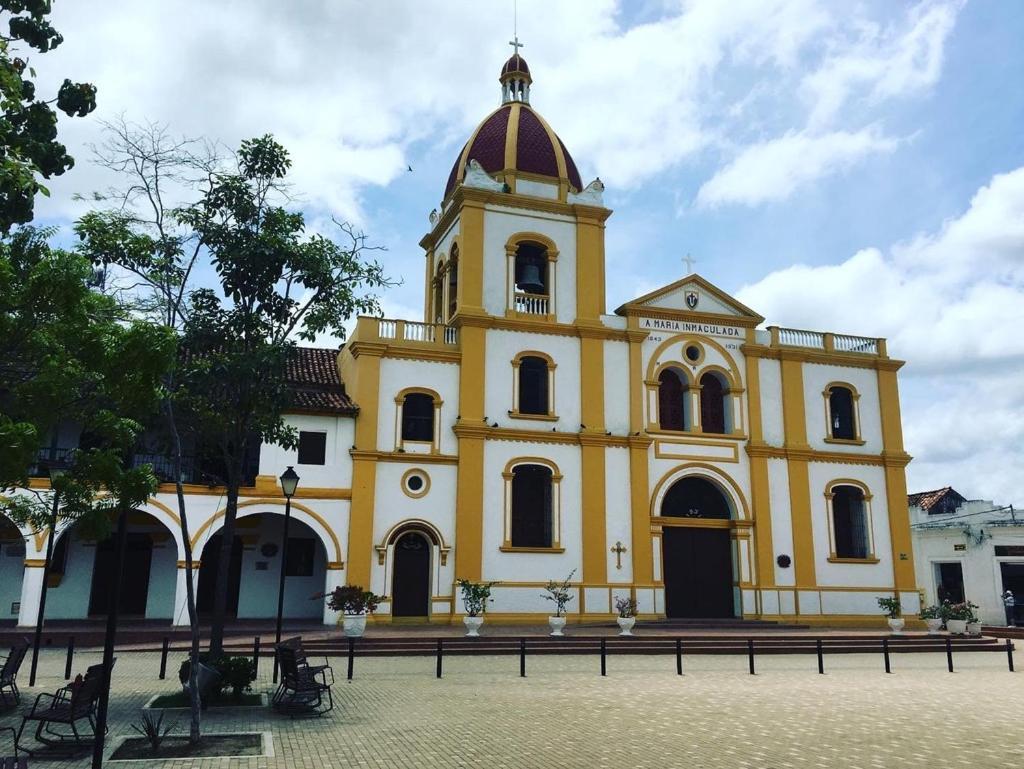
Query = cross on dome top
x=515 y=76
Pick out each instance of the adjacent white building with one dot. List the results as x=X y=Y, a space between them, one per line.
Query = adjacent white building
x=968 y=549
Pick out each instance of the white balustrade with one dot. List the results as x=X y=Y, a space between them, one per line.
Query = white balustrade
x=794 y=337
x=414 y=331
x=531 y=304
x=867 y=345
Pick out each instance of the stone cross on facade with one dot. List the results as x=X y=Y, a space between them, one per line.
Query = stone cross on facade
x=619 y=549
x=689 y=261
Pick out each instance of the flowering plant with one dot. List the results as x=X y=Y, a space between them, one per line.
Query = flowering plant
x=931 y=612
x=352 y=599
x=626 y=606
x=559 y=593
x=960 y=611
x=475 y=596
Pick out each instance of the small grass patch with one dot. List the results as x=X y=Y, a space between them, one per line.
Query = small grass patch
x=180 y=700
x=209 y=746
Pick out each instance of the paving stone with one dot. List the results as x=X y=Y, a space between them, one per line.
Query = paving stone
x=395 y=713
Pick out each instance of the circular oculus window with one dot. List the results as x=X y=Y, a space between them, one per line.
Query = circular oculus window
x=694 y=353
x=415 y=483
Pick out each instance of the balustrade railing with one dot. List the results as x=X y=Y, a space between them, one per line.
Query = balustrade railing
x=863 y=344
x=531 y=304
x=414 y=331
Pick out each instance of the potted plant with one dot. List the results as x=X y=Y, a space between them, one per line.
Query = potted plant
x=626 y=607
x=973 y=622
x=957 y=616
x=355 y=604
x=932 y=616
x=893 y=611
x=475 y=596
x=558 y=592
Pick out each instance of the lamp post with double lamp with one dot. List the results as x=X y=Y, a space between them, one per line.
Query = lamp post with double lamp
x=289 y=483
x=56 y=471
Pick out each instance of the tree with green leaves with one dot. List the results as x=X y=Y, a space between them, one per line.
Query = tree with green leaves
x=28 y=129
x=275 y=283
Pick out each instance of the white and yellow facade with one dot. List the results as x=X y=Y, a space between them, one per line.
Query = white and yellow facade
x=613 y=461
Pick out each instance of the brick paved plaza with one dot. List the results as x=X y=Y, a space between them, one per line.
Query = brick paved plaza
x=395 y=713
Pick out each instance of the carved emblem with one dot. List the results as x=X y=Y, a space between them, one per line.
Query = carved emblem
x=692 y=298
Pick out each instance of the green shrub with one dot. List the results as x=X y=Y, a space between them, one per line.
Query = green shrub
x=236 y=673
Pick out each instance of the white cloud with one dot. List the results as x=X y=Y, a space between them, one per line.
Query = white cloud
x=882 y=62
x=951 y=304
x=773 y=170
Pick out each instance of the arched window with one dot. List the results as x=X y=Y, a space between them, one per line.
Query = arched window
x=453 y=281
x=672 y=395
x=712 y=404
x=418 y=417
x=851 y=536
x=531 y=269
x=842 y=418
x=439 y=293
x=531 y=514
x=533 y=386
x=695 y=497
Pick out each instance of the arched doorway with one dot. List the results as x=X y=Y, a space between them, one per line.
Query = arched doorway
x=255 y=569
x=82 y=568
x=410 y=581
x=697 y=567
x=12 y=569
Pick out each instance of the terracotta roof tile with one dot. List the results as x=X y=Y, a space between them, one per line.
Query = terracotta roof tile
x=315 y=383
x=944 y=500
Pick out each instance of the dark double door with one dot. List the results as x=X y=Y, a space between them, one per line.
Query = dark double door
x=697 y=570
x=138 y=557
x=410 y=587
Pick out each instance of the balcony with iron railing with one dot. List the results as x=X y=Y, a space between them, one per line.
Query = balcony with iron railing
x=195 y=470
x=826 y=341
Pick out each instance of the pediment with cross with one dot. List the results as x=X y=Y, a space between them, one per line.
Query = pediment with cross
x=695 y=298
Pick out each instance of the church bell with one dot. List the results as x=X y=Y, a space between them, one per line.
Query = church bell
x=531 y=281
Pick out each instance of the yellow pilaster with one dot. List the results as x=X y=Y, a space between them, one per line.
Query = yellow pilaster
x=471 y=258
x=795 y=423
x=361 y=372
x=470 y=484
x=595 y=562
x=590 y=263
x=759 y=489
x=896 y=480
x=639 y=483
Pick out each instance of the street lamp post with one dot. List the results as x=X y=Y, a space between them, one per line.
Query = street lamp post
x=56 y=472
x=289 y=483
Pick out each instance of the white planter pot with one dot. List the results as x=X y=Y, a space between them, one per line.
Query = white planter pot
x=473 y=625
x=355 y=625
x=973 y=628
x=956 y=626
x=626 y=625
x=896 y=625
x=556 y=623
x=934 y=625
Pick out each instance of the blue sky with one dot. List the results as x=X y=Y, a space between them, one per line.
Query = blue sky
x=854 y=166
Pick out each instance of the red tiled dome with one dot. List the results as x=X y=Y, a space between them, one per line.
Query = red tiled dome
x=516 y=63
x=537 y=149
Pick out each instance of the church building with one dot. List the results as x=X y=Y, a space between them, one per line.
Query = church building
x=676 y=450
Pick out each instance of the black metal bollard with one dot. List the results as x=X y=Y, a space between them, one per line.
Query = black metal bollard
x=949 y=654
x=163 y=658
x=750 y=654
x=351 y=656
x=256 y=656
x=885 y=653
x=522 y=658
x=1009 y=654
x=821 y=658
x=604 y=668
x=679 y=656
x=71 y=658
x=440 y=653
